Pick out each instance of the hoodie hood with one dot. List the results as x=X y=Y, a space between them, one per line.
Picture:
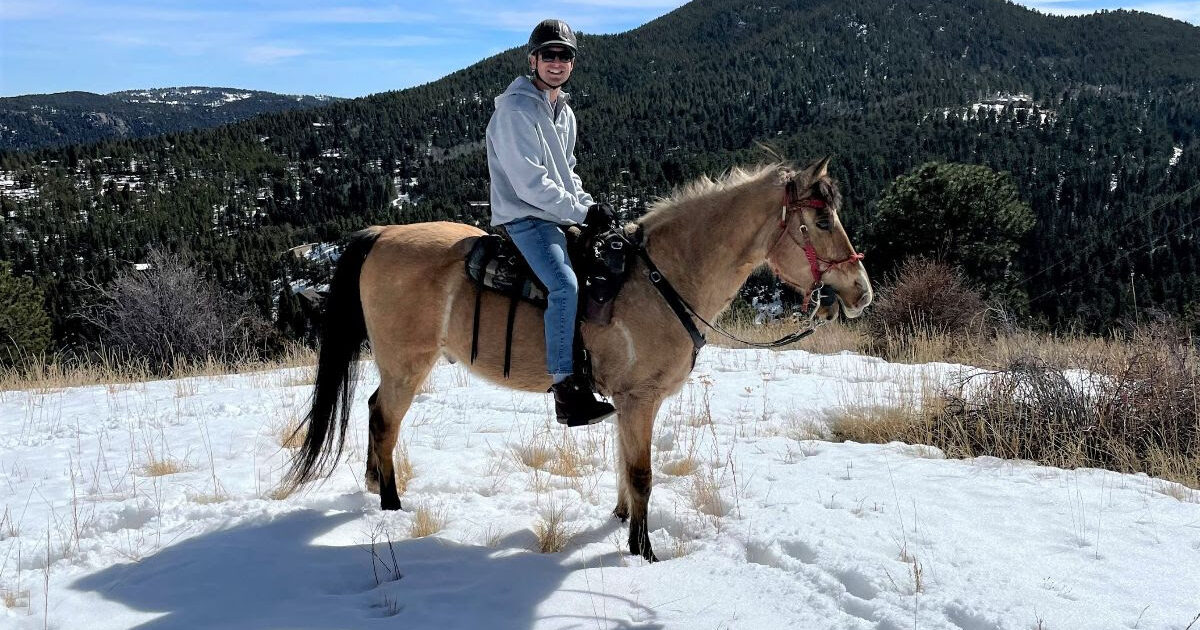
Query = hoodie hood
x=524 y=87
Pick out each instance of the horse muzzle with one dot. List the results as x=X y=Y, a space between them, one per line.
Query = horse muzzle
x=855 y=301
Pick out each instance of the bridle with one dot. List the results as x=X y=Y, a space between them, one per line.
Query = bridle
x=817 y=265
x=815 y=297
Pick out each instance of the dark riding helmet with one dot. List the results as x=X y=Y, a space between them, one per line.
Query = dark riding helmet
x=549 y=33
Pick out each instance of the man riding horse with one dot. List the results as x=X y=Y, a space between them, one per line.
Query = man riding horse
x=535 y=194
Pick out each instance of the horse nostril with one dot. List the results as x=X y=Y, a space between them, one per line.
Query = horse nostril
x=865 y=295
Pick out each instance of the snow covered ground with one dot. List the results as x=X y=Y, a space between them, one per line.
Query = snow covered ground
x=803 y=533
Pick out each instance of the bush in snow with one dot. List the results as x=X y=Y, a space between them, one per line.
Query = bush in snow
x=925 y=297
x=169 y=315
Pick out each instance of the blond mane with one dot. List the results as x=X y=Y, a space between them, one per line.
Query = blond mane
x=706 y=188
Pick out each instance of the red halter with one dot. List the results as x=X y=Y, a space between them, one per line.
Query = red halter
x=816 y=264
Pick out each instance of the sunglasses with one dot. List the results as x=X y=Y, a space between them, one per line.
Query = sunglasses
x=548 y=56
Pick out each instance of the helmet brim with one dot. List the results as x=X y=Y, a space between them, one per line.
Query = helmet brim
x=554 y=42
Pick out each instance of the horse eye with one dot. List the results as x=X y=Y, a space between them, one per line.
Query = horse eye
x=824 y=223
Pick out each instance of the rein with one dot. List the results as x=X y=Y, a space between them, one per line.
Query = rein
x=685 y=312
x=812 y=300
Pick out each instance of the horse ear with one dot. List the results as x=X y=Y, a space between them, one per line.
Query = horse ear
x=821 y=169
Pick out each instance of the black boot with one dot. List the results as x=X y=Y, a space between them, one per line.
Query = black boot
x=575 y=405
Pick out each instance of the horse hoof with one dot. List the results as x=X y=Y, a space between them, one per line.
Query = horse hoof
x=646 y=553
x=389 y=504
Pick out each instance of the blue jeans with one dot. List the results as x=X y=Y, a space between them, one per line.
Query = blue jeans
x=544 y=246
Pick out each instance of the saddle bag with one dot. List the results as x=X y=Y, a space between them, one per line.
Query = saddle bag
x=608 y=267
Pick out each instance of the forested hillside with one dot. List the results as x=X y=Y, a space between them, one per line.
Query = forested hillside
x=1097 y=118
x=35 y=121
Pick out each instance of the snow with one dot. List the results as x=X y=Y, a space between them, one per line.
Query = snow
x=1176 y=153
x=806 y=533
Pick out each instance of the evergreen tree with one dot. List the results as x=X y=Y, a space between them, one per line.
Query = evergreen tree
x=963 y=214
x=24 y=325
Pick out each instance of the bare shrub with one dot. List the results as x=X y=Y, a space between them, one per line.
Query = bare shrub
x=169 y=314
x=925 y=298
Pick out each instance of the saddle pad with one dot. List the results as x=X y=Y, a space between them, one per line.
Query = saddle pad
x=494 y=263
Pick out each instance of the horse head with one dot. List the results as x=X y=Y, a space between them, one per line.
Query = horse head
x=812 y=252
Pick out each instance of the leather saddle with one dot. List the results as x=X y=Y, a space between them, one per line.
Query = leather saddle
x=601 y=263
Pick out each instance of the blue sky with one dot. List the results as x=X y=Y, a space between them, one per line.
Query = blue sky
x=338 y=47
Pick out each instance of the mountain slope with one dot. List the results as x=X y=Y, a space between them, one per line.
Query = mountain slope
x=1096 y=117
x=48 y=120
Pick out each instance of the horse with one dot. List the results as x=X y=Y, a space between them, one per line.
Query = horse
x=403 y=288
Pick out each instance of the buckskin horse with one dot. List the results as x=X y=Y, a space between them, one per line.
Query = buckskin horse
x=404 y=288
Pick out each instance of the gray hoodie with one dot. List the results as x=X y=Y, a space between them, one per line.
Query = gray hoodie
x=531 y=158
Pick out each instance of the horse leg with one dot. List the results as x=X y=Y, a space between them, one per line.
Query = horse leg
x=376 y=426
x=635 y=422
x=387 y=406
x=622 y=509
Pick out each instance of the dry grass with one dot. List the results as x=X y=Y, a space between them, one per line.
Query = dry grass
x=797 y=426
x=403 y=467
x=706 y=494
x=681 y=547
x=490 y=537
x=291 y=434
x=1137 y=411
x=834 y=337
x=563 y=456
x=279 y=493
x=534 y=454
x=162 y=467
x=427 y=521
x=551 y=530
x=52 y=373
x=882 y=423
x=186 y=387
x=208 y=499
x=8 y=528
x=14 y=598
x=680 y=467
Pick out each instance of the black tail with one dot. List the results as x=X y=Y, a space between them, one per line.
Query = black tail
x=343 y=332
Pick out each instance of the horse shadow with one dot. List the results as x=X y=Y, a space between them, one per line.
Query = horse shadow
x=277 y=574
